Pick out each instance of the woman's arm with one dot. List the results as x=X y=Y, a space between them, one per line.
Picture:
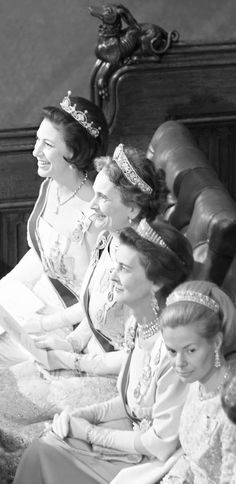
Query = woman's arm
x=78 y=422
x=66 y=318
x=107 y=411
x=75 y=342
x=102 y=363
x=162 y=438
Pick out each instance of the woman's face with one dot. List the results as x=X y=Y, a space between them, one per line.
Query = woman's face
x=130 y=281
x=50 y=150
x=191 y=355
x=107 y=204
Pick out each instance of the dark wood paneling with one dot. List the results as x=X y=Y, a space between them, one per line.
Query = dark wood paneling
x=13 y=229
x=191 y=83
x=19 y=185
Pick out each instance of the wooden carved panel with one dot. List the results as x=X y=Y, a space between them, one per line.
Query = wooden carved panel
x=13 y=229
x=19 y=186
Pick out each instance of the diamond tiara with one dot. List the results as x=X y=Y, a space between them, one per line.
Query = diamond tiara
x=80 y=116
x=146 y=231
x=193 y=296
x=129 y=172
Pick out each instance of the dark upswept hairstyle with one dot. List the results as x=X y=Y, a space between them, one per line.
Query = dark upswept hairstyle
x=206 y=321
x=169 y=266
x=150 y=205
x=77 y=138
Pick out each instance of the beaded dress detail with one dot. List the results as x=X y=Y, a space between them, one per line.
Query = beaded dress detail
x=208 y=441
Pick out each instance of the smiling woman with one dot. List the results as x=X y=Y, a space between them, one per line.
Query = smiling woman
x=124 y=192
x=61 y=233
x=93 y=443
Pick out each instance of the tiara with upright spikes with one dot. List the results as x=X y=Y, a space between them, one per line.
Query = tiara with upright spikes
x=193 y=296
x=80 y=116
x=147 y=232
x=129 y=172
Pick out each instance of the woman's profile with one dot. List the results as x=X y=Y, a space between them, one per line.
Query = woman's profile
x=61 y=233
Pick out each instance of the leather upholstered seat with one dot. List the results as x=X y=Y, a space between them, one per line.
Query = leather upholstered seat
x=199 y=204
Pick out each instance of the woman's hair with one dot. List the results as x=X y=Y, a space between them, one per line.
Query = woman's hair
x=228 y=398
x=150 y=205
x=207 y=322
x=169 y=265
x=84 y=146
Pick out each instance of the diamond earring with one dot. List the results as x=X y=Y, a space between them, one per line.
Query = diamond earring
x=155 y=305
x=217 y=358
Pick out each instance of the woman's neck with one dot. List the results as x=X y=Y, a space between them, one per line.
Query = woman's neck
x=143 y=311
x=214 y=378
x=69 y=181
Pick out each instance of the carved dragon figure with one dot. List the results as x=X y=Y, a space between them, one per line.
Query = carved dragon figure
x=117 y=44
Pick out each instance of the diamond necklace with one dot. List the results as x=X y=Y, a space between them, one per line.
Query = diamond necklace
x=59 y=203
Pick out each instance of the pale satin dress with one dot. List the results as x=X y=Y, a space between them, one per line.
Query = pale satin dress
x=153 y=392
x=66 y=237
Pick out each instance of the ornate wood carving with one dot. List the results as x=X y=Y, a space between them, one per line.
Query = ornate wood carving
x=118 y=45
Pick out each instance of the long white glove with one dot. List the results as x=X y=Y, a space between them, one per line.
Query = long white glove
x=112 y=409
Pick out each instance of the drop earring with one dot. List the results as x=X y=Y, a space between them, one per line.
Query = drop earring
x=130 y=221
x=155 y=305
x=217 y=358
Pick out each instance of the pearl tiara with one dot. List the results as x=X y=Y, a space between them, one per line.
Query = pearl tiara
x=79 y=116
x=147 y=232
x=193 y=296
x=129 y=172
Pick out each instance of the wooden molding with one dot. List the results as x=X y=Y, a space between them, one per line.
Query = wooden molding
x=17 y=140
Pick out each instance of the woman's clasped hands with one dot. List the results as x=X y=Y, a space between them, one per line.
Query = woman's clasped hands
x=64 y=425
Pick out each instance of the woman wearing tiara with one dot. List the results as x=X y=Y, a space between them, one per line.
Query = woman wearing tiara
x=198 y=327
x=118 y=199
x=127 y=188
x=93 y=443
x=61 y=233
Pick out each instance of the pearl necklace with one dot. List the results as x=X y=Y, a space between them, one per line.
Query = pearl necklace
x=60 y=204
x=205 y=396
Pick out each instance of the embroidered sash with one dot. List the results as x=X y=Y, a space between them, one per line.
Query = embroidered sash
x=124 y=386
x=104 y=341
x=67 y=296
